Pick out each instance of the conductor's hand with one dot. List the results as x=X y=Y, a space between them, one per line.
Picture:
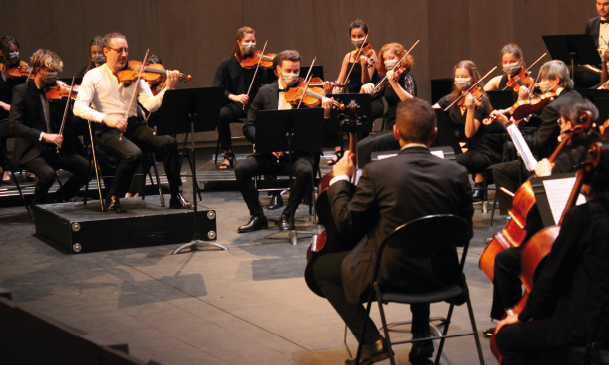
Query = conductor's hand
x=367 y=88
x=242 y=98
x=117 y=122
x=345 y=166
x=172 y=79
x=327 y=104
x=55 y=139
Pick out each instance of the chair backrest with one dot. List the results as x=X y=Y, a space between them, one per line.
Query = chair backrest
x=429 y=235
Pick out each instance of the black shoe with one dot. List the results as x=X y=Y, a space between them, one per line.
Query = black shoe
x=284 y=222
x=114 y=204
x=421 y=350
x=371 y=353
x=478 y=193
x=231 y=161
x=179 y=202
x=488 y=333
x=276 y=202
x=256 y=223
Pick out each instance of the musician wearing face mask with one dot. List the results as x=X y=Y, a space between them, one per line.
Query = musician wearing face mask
x=37 y=122
x=95 y=54
x=542 y=130
x=236 y=80
x=512 y=63
x=272 y=97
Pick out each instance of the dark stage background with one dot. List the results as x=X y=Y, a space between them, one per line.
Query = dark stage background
x=195 y=35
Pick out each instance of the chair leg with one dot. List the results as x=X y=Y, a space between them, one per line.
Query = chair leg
x=384 y=323
x=101 y=198
x=445 y=332
x=217 y=149
x=87 y=184
x=27 y=207
x=158 y=180
x=494 y=206
x=475 y=330
x=361 y=338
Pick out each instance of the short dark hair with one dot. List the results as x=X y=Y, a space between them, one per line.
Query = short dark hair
x=358 y=23
x=416 y=120
x=288 y=55
x=110 y=36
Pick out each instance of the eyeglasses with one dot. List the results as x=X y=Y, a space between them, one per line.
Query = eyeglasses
x=120 y=50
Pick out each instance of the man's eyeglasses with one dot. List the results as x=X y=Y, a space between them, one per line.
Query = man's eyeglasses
x=120 y=50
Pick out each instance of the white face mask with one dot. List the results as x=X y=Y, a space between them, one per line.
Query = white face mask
x=98 y=58
x=389 y=64
x=248 y=48
x=356 y=42
x=511 y=68
x=462 y=84
x=51 y=78
x=544 y=86
x=289 y=79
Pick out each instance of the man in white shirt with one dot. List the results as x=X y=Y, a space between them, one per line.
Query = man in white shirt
x=121 y=134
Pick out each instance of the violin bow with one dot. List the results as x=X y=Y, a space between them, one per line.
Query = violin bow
x=307 y=80
x=255 y=72
x=528 y=69
x=465 y=93
x=137 y=85
x=65 y=113
x=396 y=67
x=359 y=52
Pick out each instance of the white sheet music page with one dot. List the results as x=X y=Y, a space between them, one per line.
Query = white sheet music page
x=521 y=146
x=558 y=192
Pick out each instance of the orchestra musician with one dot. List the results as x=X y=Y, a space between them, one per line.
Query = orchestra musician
x=236 y=80
x=272 y=97
x=102 y=88
x=96 y=56
x=399 y=87
x=36 y=123
x=467 y=121
x=389 y=193
x=565 y=304
x=512 y=63
x=541 y=131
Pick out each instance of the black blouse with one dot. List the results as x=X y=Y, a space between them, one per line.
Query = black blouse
x=477 y=142
x=392 y=98
x=236 y=79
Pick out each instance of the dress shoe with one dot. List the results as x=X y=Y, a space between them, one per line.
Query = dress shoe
x=179 y=202
x=488 y=333
x=284 y=222
x=276 y=202
x=421 y=350
x=113 y=204
x=256 y=223
x=477 y=192
x=371 y=353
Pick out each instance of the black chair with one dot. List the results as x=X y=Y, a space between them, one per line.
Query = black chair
x=422 y=237
x=4 y=134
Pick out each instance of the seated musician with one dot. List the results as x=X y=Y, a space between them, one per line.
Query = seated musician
x=272 y=97
x=565 y=304
x=541 y=132
x=36 y=122
x=507 y=289
x=390 y=193
x=397 y=89
x=466 y=119
x=121 y=136
x=96 y=55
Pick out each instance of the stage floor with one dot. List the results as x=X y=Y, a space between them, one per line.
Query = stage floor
x=247 y=305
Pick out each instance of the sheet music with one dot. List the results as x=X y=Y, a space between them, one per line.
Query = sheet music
x=438 y=153
x=521 y=146
x=382 y=157
x=558 y=192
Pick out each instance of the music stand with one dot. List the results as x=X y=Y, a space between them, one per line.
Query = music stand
x=289 y=130
x=541 y=197
x=572 y=49
x=446 y=132
x=502 y=99
x=199 y=107
x=318 y=71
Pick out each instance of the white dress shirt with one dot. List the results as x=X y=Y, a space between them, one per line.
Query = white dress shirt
x=101 y=89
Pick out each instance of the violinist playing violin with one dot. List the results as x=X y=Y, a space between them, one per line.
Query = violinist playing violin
x=565 y=306
x=102 y=89
x=236 y=80
x=273 y=97
x=466 y=117
x=36 y=122
x=540 y=131
x=512 y=63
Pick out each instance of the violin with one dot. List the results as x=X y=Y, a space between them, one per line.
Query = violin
x=367 y=52
x=152 y=73
x=476 y=92
x=23 y=70
x=252 y=62
x=522 y=79
x=61 y=90
x=523 y=108
x=310 y=96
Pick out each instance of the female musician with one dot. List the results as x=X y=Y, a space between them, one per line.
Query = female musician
x=512 y=63
x=95 y=55
x=467 y=120
x=236 y=80
x=573 y=282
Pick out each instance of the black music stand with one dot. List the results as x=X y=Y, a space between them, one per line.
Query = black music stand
x=542 y=198
x=573 y=49
x=190 y=111
x=289 y=130
x=446 y=133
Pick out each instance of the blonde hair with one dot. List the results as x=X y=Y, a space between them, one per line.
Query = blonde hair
x=46 y=59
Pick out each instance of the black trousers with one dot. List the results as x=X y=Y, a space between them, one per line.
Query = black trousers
x=508 y=175
x=474 y=161
x=267 y=164
x=230 y=113
x=138 y=139
x=383 y=141
x=328 y=275
x=44 y=167
x=507 y=287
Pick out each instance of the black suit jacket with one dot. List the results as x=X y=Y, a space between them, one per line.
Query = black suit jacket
x=266 y=99
x=593 y=28
x=26 y=121
x=391 y=192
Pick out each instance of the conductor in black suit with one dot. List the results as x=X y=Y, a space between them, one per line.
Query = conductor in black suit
x=390 y=193
x=271 y=97
x=36 y=122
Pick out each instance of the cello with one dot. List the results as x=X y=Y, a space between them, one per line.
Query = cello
x=328 y=239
